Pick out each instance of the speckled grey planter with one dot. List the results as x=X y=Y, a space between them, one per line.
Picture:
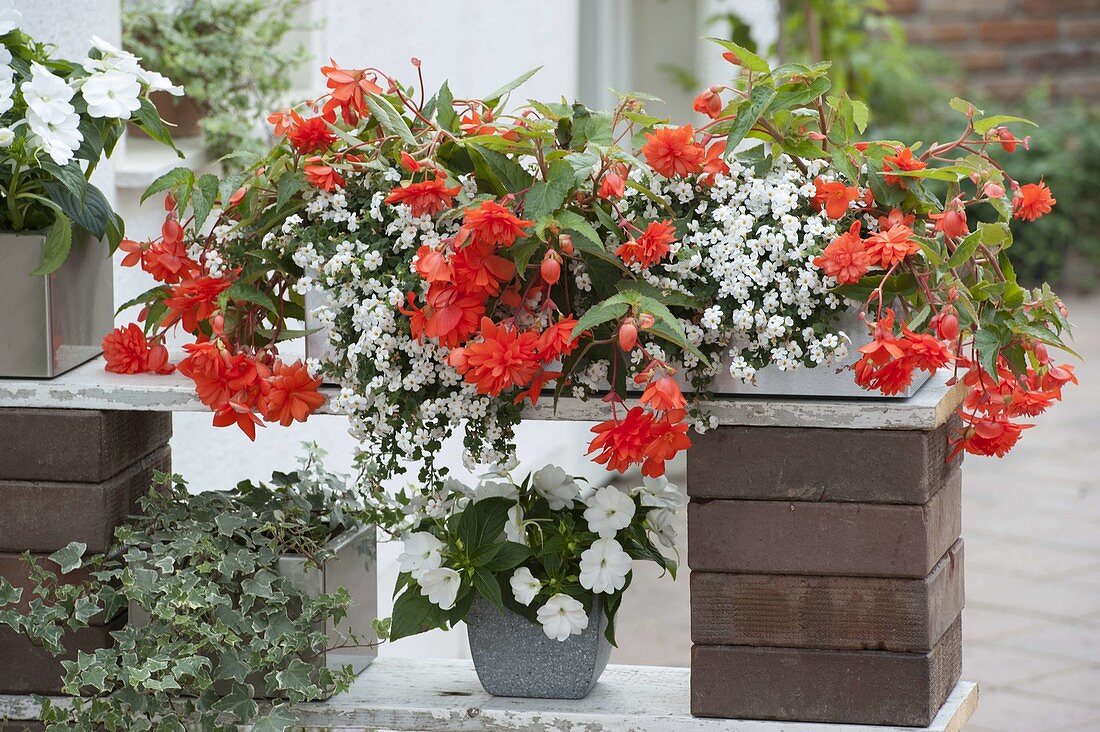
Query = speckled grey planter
x=513 y=656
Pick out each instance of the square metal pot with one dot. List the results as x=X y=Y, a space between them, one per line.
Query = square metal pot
x=53 y=323
x=354 y=567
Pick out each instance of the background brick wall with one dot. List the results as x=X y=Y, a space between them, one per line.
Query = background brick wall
x=1008 y=46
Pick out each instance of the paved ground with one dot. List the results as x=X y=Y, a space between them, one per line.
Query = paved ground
x=1032 y=531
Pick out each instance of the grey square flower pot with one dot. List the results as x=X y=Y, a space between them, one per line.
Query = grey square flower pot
x=53 y=323
x=514 y=657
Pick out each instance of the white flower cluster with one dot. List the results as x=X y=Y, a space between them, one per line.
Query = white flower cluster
x=747 y=257
x=112 y=89
x=603 y=566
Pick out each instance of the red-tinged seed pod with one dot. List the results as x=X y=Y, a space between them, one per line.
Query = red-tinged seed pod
x=645 y=320
x=628 y=335
x=551 y=268
x=1040 y=351
x=948 y=327
x=566 y=243
x=169 y=202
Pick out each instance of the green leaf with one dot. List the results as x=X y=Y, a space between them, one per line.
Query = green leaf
x=70 y=176
x=203 y=198
x=413 y=613
x=482 y=523
x=174 y=178
x=486 y=584
x=861 y=115
x=983 y=126
x=9 y=595
x=445 y=111
x=70 y=557
x=749 y=60
x=248 y=293
x=610 y=309
x=989 y=346
x=59 y=240
x=492 y=98
x=965 y=249
x=289 y=185
x=297 y=678
x=523 y=251
x=759 y=99
x=391 y=120
x=503 y=173
x=148 y=119
x=278 y=719
x=964 y=107
x=238 y=702
x=546 y=197
x=93 y=212
x=509 y=556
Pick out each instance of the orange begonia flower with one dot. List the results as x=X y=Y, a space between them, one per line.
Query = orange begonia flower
x=672 y=151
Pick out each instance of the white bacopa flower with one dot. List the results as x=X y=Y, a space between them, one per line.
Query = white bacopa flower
x=525 y=586
x=47 y=95
x=604 y=566
x=113 y=94
x=609 y=511
x=556 y=486
x=513 y=527
x=561 y=617
x=10 y=18
x=58 y=136
x=659 y=493
x=440 y=586
x=6 y=136
x=420 y=554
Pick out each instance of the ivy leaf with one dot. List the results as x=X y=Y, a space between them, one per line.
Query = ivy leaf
x=238 y=702
x=297 y=678
x=69 y=558
x=547 y=196
x=59 y=240
x=759 y=99
x=9 y=595
x=391 y=120
x=278 y=719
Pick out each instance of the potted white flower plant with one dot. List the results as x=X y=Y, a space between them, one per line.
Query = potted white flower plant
x=58 y=119
x=536 y=569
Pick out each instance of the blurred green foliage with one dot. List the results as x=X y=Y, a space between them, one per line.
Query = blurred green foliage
x=231 y=57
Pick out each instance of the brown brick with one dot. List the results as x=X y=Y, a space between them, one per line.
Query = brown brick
x=902 y=7
x=1077 y=86
x=803 y=464
x=980 y=60
x=1053 y=7
x=1079 y=28
x=1017 y=31
x=848 y=687
x=46 y=516
x=78 y=445
x=1006 y=88
x=939 y=32
x=27 y=668
x=843 y=613
x=966 y=8
x=804 y=537
x=1063 y=61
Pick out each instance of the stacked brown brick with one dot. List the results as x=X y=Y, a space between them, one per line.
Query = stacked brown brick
x=827 y=581
x=67 y=475
x=1007 y=47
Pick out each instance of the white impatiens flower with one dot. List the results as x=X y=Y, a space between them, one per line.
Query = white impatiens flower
x=659 y=493
x=47 y=95
x=420 y=554
x=561 y=617
x=662 y=522
x=157 y=81
x=440 y=586
x=604 y=566
x=525 y=586
x=609 y=511
x=495 y=489
x=513 y=527
x=7 y=81
x=556 y=486
x=113 y=94
x=58 y=136
x=10 y=18
x=7 y=137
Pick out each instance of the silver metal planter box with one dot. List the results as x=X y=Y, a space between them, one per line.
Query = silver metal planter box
x=835 y=380
x=513 y=656
x=50 y=324
x=353 y=567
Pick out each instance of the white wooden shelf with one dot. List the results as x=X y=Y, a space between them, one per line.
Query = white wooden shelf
x=444 y=696
x=91 y=387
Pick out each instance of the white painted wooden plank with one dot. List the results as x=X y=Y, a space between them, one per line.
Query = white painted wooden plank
x=90 y=387
x=445 y=696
